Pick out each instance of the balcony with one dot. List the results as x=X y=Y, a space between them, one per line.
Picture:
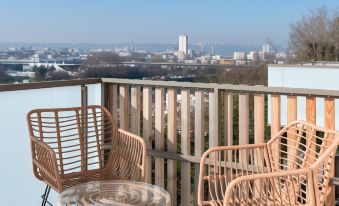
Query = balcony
x=178 y=120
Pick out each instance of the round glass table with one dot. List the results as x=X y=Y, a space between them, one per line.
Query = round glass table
x=115 y=192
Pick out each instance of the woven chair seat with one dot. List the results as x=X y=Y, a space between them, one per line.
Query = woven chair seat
x=74 y=179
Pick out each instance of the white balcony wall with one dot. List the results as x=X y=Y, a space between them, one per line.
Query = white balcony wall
x=94 y=94
x=308 y=77
x=18 y=184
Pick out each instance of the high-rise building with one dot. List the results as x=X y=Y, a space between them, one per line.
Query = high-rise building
x=267 y=48
x=202 y=49
x=268 y=52
x=183 y=46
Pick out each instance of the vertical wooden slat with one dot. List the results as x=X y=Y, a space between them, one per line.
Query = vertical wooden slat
x=228 y=118
x=123 y=107
x=330 y=113
x=310 y=118
x=330 y=124
x=135 y=110
x=104 y=94
x=199 y=123
x=275 y=126
x=84 y=130
x=213 y=124
x=228 y=122
x=185 y=146
x=275 y=113
x=114 y=101
x=259 y=130
x=147 y=127
x=291 y=109
x=244 y=123
x=311 y=110
x=292 y=135
x=199 y=134
x=244 y=119
x=159 y=135
x=259 y=118
x=105 y=102
x=172 y=144
x=84 y=95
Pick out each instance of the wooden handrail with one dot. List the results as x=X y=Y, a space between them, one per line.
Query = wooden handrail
x=173 y=84
x=47 y=84
x=228 y=87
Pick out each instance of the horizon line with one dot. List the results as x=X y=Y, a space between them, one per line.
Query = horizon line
x=133 y=42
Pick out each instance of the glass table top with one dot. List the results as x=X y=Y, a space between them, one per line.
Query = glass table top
x=115 y=192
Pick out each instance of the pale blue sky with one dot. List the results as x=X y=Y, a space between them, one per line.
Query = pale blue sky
x=119 y=21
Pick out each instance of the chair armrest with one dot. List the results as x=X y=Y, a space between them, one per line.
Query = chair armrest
x=220 y=165
x=233 y=148
x=45 y=164
x=128 y=156
x=277 y=188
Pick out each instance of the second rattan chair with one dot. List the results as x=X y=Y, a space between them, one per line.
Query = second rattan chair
x=293 y=168
x=77 y=145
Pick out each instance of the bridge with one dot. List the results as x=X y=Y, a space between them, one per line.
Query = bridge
x=33 y=62
x=180 y=64
x=19 y=61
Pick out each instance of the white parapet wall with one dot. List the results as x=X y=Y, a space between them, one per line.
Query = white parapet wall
x=309 y=76
x=18 y=183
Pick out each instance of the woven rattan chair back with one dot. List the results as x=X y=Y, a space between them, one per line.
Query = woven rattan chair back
x=301 y=146
x=87 y=146
x=78 y=136
x=293 y=168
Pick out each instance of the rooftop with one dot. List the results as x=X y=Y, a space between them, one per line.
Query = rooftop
x=317 y=64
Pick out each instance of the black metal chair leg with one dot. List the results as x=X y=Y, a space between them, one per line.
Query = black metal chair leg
x=45 y=196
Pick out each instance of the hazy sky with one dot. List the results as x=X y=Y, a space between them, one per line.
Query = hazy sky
x=119 y=21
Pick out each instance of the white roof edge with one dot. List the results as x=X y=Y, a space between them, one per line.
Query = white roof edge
x=328 y=65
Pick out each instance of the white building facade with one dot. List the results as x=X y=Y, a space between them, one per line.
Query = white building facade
x=267 y=48
x=239 y=55
x=253 y=56
x=183 y=46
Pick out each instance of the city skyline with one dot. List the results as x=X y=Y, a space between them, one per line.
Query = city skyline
x=230 y=22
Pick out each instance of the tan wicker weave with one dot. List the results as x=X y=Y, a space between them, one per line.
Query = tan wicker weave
x=82 y=144
x=293 y=168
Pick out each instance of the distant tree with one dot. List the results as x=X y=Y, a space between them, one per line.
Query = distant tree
x=315 y=37
x=245 y=75
x=4 y=77
x=96 y=58
x=52 y=68
x=40 y=72
x=335 y=34
x=61 y=75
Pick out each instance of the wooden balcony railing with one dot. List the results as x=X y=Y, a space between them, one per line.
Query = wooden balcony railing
x=181 y=120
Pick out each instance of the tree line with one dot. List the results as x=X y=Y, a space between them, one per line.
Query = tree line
x=315 y=37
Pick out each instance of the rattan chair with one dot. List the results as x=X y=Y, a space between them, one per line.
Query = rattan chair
x=77 y=145
x=293 y=168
